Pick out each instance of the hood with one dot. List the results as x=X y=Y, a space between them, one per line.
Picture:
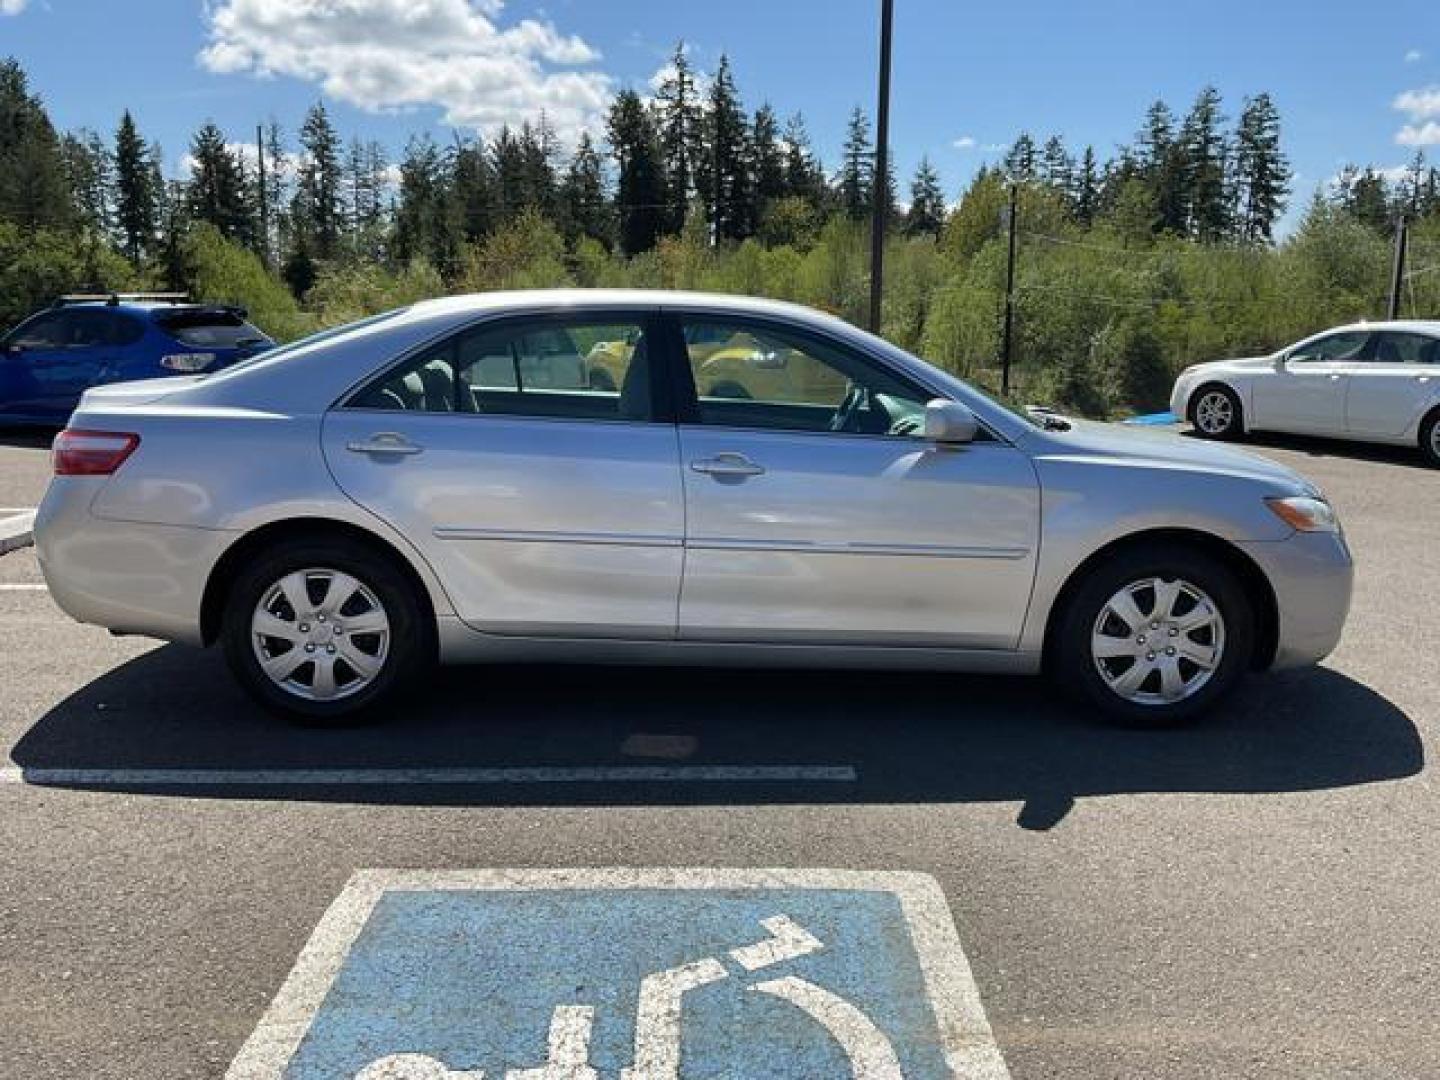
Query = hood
x=1243 y=363
x=1166 y=449
x=139 y=392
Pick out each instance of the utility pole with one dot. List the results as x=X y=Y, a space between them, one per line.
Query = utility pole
x=879 y=189
x=1012 y=217
x=264 y=201
x=1397 y=276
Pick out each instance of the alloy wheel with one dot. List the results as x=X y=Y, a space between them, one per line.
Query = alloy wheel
x=1215 y=413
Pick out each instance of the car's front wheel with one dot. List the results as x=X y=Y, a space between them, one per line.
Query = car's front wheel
x=1430 y=438
x=1156 y=635
x=323 y=631
x=1215 y=413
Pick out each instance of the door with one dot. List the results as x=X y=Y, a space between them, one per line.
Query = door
x=51 y=360
x=1306 y=391
x=546 y=507
x=817 y=513
x=1393 y=385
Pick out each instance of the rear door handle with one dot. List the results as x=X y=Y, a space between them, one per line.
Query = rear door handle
x=385 y=442
x=728 y=465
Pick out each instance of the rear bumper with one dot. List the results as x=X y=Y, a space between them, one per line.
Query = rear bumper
x=129 y=577
x=1312 y=575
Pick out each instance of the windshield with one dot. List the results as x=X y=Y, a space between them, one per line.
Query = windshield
x=210 y=328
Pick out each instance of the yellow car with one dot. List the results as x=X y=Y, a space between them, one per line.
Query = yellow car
x=741 y=366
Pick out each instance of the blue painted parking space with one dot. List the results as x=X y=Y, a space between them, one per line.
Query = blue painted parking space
x=631 y=975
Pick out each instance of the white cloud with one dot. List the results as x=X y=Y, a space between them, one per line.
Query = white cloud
x=12 y=7
x=1422 y=106
x=388 y=55
x=965 y=142
x=1419 y=104
x=1414 y=56
x=1426 y=134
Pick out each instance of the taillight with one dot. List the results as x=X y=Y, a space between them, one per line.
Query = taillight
x=91 y=453
x=187 y=363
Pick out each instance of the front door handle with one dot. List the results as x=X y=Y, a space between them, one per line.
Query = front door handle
x=385 y=442
x=728 y=465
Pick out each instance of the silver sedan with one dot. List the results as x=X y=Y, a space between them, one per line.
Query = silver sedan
x=669 y=478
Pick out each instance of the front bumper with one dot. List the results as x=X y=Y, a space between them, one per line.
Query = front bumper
x=129 y=577
x=1312 y=575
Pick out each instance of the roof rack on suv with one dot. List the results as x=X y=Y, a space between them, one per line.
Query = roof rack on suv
x=113 y=298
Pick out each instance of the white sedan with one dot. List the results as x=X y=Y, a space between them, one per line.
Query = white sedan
x=1375 y=382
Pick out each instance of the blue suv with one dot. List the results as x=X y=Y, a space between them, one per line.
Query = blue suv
x=54 y=356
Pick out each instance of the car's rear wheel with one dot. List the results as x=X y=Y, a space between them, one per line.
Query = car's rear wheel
x=323 y=631
x=1430 y=438
x=1156 y=635
x=1215 y=413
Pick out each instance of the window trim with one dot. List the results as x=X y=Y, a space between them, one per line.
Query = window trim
x=687 y=398
x=647 y=318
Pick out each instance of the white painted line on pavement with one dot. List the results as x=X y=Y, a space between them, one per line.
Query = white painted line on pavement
x=17 y=531
x=23 y=586
x=597 y=774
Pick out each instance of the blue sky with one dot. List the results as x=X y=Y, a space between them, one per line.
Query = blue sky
x=1354 y=82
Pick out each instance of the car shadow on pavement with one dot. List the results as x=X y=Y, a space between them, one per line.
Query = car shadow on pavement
x=27 y=438
x=911 y=738
x=1320 y=447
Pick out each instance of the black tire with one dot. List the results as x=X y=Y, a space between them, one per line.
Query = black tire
x=1079 y=672
x=1430 y=438
x=1214 y=424
x=732 y=391
x=406 y=654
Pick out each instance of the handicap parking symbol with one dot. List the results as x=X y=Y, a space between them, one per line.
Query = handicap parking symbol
x=629 y=975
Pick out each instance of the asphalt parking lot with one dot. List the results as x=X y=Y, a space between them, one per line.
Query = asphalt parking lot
x=1254 y=897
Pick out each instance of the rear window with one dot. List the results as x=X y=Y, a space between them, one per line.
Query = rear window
x=210 y=328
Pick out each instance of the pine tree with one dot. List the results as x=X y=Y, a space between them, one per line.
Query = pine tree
x=1087 y=189
x=856 y=182
x=804 y=178
x=472 y=190
x=1262 y=172
x=317 y=207
x=927 y=202
x=681 y=122
x=724 y=171
x=1020 y=161
x=510 y=167
x=424 y=227
x=1057 y=167
x=135 y=192
x=1160 y=161
x=640 y=190
x=33 y=189
x=767 y=158
x=582 y=195
x=1206 y=158
x=89 y=172
x=1364 y=194
x=217 y=191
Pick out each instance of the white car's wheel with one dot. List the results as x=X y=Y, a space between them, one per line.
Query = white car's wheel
x=1430 y=438
x=323 y=630
x=1215 y=412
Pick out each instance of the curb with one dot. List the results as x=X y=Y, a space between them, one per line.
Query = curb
x=17 y=531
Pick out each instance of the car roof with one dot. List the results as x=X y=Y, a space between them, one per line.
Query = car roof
x=1416 y=326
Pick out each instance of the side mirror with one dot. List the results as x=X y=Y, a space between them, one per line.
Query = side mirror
x=950 y=423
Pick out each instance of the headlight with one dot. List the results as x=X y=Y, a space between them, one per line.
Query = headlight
x=1304 y=513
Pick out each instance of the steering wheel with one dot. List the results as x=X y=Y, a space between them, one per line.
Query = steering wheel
x=849 y=407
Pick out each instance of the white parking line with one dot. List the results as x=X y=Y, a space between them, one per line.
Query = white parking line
x=23 y=586
x=597 y=774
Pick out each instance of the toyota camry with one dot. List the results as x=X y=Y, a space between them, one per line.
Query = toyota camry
x=749 y=483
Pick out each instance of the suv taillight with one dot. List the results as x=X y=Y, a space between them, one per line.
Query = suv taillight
x=91 y=453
